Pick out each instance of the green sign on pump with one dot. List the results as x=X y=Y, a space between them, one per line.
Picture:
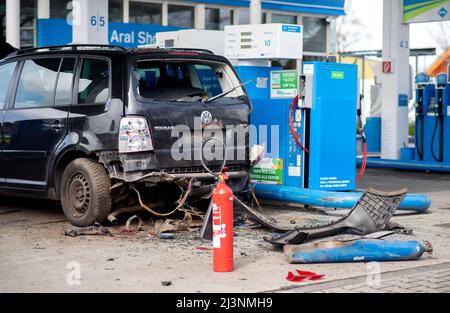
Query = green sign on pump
x=283 y=84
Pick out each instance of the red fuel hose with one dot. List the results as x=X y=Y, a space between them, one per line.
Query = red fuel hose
x=364 y=162
x=291 y=126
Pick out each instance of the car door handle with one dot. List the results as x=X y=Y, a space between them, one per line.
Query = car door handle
x=55 y=127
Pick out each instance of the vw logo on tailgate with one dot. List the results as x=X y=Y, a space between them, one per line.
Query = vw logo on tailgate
x=206 y=117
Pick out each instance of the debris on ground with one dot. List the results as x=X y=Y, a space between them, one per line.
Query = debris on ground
x=371 y=213
x=367 y=222
x=134 y=230
x=97 y=229
x=166 y=236
x=38 y=247
x=166 y=283
x=203 y=248
x=171 y=225
x=303 y=275
x=112 y=217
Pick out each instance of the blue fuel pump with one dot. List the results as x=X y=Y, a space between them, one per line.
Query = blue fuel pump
x=432 y=137
x=322 y=168
x=443 y=108
x=323 y=156
x=431 y=149
x=424 y=124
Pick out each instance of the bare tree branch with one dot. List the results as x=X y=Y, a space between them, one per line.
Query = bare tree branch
x=350 y=29
x=441 y=35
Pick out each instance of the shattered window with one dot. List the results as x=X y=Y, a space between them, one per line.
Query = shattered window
x=169 y=81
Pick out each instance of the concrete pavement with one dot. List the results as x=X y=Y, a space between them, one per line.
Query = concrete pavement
x=35 y=256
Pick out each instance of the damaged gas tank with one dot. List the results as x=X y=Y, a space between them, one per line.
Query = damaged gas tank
x=362 y=250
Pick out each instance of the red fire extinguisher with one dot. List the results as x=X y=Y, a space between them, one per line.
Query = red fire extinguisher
x=222 y=216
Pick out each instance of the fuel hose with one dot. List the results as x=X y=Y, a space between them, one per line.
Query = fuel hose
x=291 y=125
x=224 y=155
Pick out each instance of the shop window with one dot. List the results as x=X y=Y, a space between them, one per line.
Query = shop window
x=283 y=18
x=145 y=13
x=244 y=17
x=216 y=19
x=181 y=16
x=28 y=15
x=60 y=8
x=314 y=34
x=2 y=20
x=115 y=11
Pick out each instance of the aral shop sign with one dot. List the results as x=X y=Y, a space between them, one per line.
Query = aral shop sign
x=51 y=32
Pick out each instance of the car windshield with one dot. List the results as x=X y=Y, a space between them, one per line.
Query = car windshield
x=184 y=80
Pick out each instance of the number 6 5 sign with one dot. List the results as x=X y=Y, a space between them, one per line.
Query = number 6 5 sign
x=89 y=20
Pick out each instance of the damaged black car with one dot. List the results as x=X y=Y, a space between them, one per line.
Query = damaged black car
x=104 y=129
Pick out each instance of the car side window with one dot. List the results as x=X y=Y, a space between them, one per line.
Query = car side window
x=63 y=95
x=37 y=83
x=93 y=86
x=6 y=73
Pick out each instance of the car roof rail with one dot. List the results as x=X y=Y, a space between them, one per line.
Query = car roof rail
x=73 y=47
x=178 y=49
x=193 y=50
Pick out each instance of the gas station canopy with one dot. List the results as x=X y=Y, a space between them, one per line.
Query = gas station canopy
x=326 y=7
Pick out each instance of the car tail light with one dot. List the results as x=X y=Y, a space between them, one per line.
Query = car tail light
x=134 y=135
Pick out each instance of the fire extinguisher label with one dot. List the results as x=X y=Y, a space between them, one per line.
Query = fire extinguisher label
x=218 y=227
x=216 y=237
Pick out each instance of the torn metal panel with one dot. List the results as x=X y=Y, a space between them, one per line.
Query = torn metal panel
x=371 y=213
x=259 y=218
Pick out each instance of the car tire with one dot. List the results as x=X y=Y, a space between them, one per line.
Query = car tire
x=85 y=192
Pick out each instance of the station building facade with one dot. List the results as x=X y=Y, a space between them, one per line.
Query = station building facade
x=32 y=23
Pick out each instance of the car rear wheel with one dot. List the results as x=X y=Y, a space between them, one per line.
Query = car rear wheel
x=85 y=192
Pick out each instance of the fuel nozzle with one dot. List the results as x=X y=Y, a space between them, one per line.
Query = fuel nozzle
x=422 y=80
x=441 y=80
